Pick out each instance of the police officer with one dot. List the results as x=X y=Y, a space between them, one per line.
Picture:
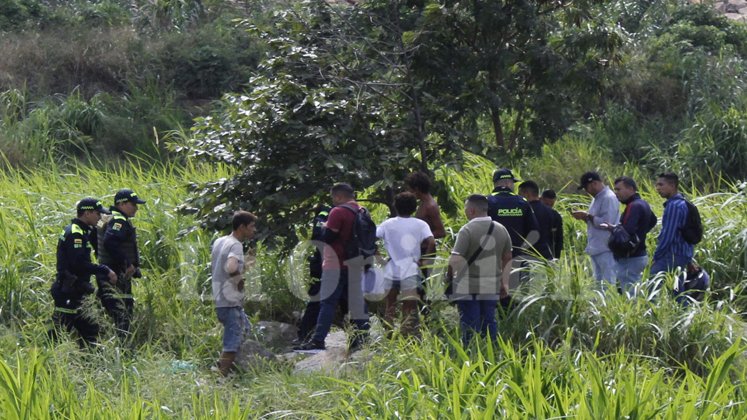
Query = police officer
x=74 y=270
x=515 y=213
x=311 y=313
x=117 y=246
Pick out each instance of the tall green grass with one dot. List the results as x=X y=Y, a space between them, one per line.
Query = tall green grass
x=565 y=350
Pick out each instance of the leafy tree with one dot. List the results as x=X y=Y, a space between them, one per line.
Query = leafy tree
x=365 y=93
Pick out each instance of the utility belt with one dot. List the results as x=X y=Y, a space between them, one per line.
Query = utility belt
x=71 y=285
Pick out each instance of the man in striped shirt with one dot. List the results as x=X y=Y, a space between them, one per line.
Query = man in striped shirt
x=672 y=250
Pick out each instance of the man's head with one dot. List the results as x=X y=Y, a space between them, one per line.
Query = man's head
x=244 y=225
x=504 y=178
x=342 y=193
x=548 y=198
x=405 y=203
x=476 y=206
x=89 y=210
x=418 y=183
x=126 y=202
x=591 y=182
x=667 y=184
x=529 y=190
x=625 y=188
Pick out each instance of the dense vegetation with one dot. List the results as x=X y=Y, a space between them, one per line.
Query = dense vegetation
x=290 y=97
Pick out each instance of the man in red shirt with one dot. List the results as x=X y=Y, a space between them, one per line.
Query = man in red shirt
x=340 y=275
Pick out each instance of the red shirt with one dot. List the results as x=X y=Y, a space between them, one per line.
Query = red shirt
x=340 y=220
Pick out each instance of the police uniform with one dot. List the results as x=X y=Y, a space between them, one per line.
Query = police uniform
x=514 y=212
x=74 y=270
x=311 y=313
x=117 y=248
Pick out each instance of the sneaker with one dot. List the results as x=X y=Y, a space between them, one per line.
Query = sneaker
x=310 y=347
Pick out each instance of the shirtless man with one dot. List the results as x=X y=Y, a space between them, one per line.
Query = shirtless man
x=419 y=184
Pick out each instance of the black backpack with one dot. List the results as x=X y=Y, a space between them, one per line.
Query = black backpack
x=692 y=232
x=363 y=240
x=621 y=243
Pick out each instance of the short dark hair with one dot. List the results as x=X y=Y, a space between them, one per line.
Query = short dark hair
x=480 y=202
x=549 y=194
x=241 y=218
x=671 y=177
x=627 y=181
x=419 y=181
x=342 y=188
x=530 y=187
x=405 y=203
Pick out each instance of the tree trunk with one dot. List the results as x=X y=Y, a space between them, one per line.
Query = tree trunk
x=495 y=116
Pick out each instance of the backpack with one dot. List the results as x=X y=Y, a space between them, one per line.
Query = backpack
x=692 y=232
x=363 y=239
x=621 y=243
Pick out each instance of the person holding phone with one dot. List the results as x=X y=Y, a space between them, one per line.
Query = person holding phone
x=604 y=209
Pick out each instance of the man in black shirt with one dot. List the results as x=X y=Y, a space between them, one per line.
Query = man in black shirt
x=530 y=191
x=556 y=239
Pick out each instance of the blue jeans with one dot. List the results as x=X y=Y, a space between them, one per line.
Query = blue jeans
x=669 y=262
x=630 y=270
x=335 y=284
x=235 y=327
x=603 y=267
x=477 y=315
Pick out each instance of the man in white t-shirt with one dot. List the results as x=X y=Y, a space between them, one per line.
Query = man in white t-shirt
x=227 y=266
x=406 y=240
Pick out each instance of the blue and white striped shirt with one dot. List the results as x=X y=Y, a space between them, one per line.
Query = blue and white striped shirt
x=670 y=241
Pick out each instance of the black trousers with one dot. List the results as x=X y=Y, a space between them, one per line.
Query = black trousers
x=118 y=303
x=67 y=316
x=87 y=329
x=311 y=313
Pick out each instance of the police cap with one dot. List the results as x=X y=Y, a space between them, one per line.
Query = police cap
x=89 y=203
x=126 y=195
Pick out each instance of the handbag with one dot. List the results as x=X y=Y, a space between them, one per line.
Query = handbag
x=621 y=243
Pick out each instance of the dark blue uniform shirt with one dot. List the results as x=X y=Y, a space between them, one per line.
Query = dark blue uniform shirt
x=515 y=214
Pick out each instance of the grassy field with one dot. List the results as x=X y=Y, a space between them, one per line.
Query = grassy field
x=566 y=351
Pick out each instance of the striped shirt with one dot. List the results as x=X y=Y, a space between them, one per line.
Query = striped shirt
x=670 y=241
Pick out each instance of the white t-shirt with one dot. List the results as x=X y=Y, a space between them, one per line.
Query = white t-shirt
x=226 y=292
x=402 y=238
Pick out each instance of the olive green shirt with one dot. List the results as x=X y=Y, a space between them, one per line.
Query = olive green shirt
x=483 y=276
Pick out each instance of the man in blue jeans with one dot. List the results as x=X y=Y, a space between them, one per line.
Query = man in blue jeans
x=672 y=250
x=637 y=220
x=340 y=275
x=480 y=269
x=227 y=265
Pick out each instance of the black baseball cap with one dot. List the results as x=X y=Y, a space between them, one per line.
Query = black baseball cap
x=123 y=196
x=504 y=174
x=587 y=178
x=89 y=203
